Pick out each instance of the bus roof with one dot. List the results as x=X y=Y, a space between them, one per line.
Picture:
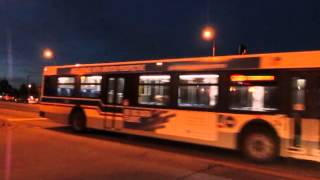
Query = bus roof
x=285 y=60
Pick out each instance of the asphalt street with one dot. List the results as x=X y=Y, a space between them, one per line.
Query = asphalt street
x=36 y=148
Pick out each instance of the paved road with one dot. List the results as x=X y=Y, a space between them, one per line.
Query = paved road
x=18 y=110
x=35 y=148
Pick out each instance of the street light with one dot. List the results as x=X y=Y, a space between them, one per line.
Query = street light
x=208 y=34
x=47 y=53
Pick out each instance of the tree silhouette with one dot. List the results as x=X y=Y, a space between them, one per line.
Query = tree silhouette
x=5 y=87
x=23 y=91
x=33 y=91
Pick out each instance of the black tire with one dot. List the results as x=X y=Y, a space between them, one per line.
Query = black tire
x=78 y=122
x=260 y=146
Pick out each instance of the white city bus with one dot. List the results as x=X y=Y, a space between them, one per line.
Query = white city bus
x=265 y=105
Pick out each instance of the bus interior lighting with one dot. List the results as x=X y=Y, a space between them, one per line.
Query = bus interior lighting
x=240 y=78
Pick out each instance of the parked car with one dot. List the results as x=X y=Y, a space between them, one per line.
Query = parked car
x=33 y=100
x=8 y=98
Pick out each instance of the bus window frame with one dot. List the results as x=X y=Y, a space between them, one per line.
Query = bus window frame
x=79 y=86
x=76 y=84
x=174 y=84
x=277 y=83
x=75 y=93
x=170 y=85
x=216 y=107
x=223 y=84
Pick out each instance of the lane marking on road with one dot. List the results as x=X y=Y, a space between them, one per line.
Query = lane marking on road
x=25 y=119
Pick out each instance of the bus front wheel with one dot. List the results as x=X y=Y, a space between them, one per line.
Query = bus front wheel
x=259 y=146
x=78 y=121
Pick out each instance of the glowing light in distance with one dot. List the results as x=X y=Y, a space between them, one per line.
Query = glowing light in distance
x=208 y=33
x=47 y=53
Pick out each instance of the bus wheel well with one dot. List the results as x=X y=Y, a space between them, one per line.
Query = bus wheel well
x=76 y=109
x=256 y=125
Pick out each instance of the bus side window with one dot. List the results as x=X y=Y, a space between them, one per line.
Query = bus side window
x=66 y=86
x=198 y=90
x=50 y=86
x=154 y=90
x=253 y=93
x=298 y=96
x=90 y=86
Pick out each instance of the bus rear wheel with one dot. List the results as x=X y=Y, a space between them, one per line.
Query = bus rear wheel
x=78 y=121
x=260 y=146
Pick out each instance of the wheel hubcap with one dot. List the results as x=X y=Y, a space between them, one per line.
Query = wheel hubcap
x=260 y=146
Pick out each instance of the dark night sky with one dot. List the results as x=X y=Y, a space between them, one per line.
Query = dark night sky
x=82 y=31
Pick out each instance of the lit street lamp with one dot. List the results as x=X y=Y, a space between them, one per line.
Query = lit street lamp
x=208 y=34
x=47 y=53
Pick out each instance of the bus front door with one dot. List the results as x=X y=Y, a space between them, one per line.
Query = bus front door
x=304 y=114
x=298 y=85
